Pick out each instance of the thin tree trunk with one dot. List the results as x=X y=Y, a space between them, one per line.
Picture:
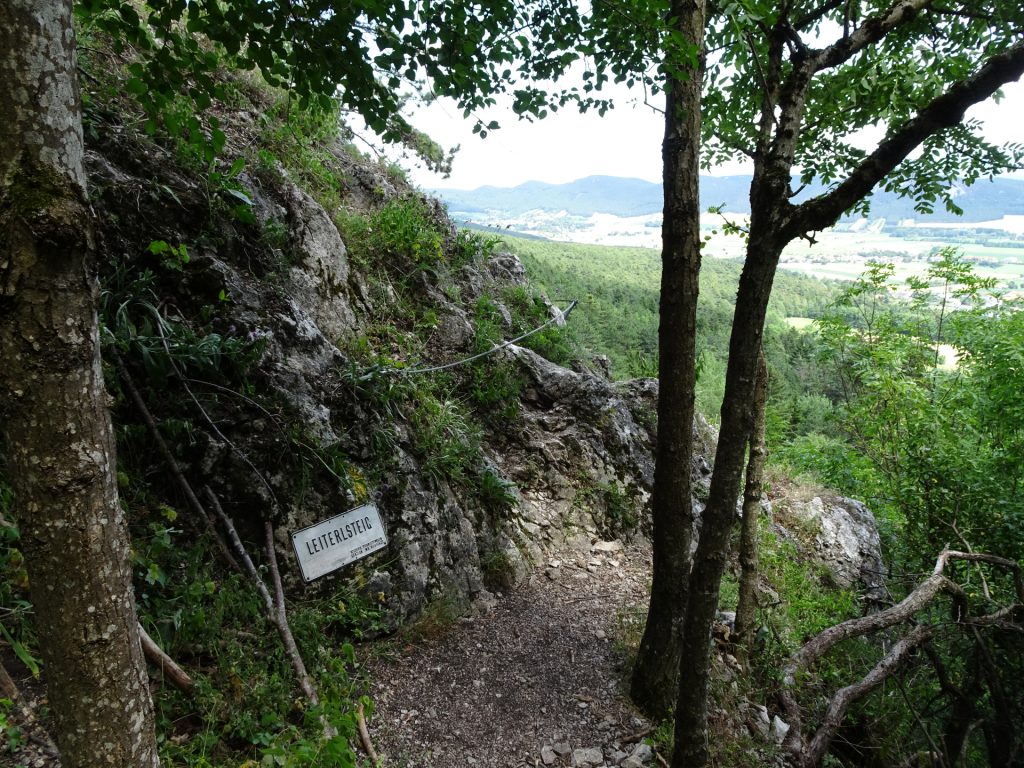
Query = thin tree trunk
x=746 y=606
x=53 y=406
x=655 y=674
x=691 y=737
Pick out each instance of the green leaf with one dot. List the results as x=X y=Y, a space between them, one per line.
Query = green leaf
x=21 y=652
x=239 y=195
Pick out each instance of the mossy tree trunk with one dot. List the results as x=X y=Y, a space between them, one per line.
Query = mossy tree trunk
x=53 y=406
x=654 y=682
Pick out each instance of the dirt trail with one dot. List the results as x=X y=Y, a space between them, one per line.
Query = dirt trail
x=536 y=680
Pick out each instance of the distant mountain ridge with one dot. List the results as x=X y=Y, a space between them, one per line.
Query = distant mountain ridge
x=983 y=201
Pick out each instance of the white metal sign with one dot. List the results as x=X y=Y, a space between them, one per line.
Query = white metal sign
x=336 y=542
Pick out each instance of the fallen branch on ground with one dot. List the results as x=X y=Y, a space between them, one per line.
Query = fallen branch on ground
x=173 y=674
x=274 y=605
x=168 y=457
x=364 y=735
x=635 y=737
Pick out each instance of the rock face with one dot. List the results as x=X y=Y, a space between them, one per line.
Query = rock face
x=582 y=454
x=846 y=540
x=324 y=424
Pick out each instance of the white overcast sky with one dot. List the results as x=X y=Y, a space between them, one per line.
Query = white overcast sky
x=625 y=142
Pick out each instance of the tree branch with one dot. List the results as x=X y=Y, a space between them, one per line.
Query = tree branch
x=814 y=16
x=281 y=618
x=165 y=452
x=243 y=555
x=364 y=735
x=844 y=697
x=274 y=605
x=868 y=33
x=172 y=673
x=811 y=754
x=944 y=111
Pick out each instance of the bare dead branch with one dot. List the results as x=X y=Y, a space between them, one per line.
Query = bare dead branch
x=364 y=735
x=170 y=670
x=844 y=697
x=811 y=753
x=243 y=555
x=274 y=605
x=635 y=737
x=168 y=457
x=281 y=619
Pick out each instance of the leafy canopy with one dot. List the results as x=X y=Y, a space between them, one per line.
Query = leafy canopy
x=365 y=54
x=933 y=400
x=871 y=65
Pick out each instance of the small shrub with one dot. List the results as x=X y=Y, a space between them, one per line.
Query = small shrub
x=447 y=442
x=401 y=232
x=471 y=247
x=498 y=571
x=437 y=616
x=613 y=510
x=620 y=517
x=495 y=492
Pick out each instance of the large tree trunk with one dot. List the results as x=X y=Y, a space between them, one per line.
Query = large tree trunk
x=54 y=407
x=746 y=606
x=656 y=672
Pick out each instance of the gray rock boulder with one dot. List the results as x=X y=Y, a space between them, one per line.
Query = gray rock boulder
x=845 y=537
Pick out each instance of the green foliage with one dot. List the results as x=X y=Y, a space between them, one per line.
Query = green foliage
x=937 y=438
x=316 y=460
x=613 y=509
x=472 y=247
x=172 y=256
x=403 y=231
x=366 y=57
x=618 y=315
x=495 y=492
x=494 y=388
x=15 y=608
x=810 y=600
x=445 y=439
x=498 y=571
x=132 y=320
x=11 y=736
x=529 y=311
x=436 y=617
x=246 y=703
x=885 y=84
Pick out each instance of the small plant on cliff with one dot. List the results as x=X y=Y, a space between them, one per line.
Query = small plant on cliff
x=447 y=441
x=403 y=235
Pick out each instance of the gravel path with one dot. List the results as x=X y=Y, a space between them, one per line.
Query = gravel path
x=537 y=680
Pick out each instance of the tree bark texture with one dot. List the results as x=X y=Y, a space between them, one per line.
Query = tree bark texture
x=746 y=606
x=53 y=405
x=655 y=675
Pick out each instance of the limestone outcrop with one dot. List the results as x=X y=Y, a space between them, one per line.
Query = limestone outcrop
x=339 y=403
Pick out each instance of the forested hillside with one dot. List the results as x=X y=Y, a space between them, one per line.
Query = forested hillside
x=618 y=317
